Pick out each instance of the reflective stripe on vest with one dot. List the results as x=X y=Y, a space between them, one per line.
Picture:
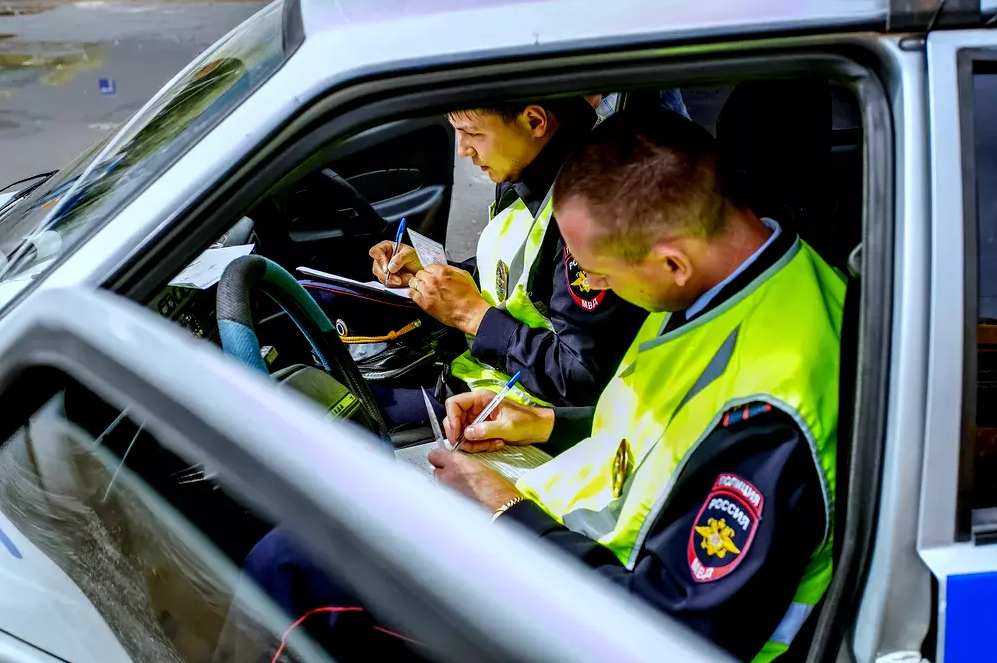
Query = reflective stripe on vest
x=777 y=341
x=507 y=254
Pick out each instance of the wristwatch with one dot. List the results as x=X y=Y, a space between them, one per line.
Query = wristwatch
x=508 y=505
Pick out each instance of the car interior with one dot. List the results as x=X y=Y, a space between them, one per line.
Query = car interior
x=791 y=149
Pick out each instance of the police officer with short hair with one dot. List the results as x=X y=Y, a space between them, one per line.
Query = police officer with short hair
x=521 y=300
x=703 y=480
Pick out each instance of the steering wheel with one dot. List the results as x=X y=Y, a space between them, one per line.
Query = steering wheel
x=249 y=273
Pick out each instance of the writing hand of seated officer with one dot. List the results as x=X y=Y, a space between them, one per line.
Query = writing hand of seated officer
x=450 y=295
x=472 y=479
x=394 y=272
x=509 y=423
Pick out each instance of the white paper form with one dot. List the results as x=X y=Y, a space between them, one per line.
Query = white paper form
x=430 y=251
x=342 y=280
x=207 y=268
x=416 y=456
x=511 y=462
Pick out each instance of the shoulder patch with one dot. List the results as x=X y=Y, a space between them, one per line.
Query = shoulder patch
x=578 y=286
x=724 y=529
x=744 y=412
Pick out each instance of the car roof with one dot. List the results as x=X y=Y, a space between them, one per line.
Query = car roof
x=547 y=22
x=351 y=38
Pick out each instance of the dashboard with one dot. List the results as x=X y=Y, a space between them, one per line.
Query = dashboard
x=192 y=309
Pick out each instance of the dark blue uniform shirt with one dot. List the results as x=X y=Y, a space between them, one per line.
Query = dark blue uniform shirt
x=762 y=446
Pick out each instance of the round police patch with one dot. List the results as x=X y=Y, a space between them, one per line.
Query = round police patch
x=578 y=285
x=724 y=529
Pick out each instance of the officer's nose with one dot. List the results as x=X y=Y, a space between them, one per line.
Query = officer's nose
x=464 y=150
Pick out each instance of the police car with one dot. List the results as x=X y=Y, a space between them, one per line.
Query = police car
x=141 y=462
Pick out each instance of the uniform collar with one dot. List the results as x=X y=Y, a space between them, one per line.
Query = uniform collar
x=538 y=176
x=742 y=280
x=705 y=299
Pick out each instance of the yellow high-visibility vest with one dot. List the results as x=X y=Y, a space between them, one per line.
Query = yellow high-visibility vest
x=507 y=254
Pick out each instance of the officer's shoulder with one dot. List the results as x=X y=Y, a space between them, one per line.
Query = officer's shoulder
x=584 y=297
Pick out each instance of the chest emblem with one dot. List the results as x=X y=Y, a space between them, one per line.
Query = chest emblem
x=621 y=468
x=501 y=281
x=724 y=528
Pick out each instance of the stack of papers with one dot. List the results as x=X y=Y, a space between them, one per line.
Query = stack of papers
x=207 y=269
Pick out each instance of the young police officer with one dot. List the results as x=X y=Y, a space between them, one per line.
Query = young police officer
x=705 y=482
x=522 y=299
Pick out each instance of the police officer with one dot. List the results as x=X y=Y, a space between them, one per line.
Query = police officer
x=521 y=300
x=705 y=480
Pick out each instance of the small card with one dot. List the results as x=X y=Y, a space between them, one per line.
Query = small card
x=430 y=252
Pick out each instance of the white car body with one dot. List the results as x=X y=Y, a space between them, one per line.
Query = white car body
x=349 y=43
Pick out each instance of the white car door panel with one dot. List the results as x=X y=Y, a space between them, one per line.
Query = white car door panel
x=398 y=541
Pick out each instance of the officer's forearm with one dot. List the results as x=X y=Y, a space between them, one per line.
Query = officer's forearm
x=529 y=515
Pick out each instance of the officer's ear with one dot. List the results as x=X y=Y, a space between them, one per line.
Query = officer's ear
x=673 y=260
x=536 y=119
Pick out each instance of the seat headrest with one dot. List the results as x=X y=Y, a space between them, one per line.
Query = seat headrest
x=775 y=146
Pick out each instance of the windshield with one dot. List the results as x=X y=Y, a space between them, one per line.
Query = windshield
x=47 y=222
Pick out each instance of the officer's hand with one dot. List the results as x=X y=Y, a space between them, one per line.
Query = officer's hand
x=398 y=271
x=469 y=477
x=449 y=295
x=509 y=423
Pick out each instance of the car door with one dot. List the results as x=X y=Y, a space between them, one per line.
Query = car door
x=432 y=566
x=358 y=190
x=958 y=513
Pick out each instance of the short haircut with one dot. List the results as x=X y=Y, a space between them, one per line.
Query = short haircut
x=645 y=175
x=566 y=110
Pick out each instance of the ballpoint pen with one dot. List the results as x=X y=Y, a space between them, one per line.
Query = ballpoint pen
x=398 y=238
x=490 y=407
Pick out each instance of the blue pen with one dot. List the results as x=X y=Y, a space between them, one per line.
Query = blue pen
x=398 y=238
x=491 y=406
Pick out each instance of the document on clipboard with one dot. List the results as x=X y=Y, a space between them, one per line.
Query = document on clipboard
x=342 y=280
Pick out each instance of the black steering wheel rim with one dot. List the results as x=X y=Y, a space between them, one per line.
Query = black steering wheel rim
x=250 y=273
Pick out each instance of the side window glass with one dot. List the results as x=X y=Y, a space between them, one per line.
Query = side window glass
x=984 y=100
x=116 y=549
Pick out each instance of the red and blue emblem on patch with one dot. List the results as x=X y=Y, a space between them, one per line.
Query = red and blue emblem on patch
x=578 y=284
x=724 y=529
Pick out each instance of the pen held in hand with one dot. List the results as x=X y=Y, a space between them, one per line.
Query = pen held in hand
x=398 y=238
x=494 y=403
